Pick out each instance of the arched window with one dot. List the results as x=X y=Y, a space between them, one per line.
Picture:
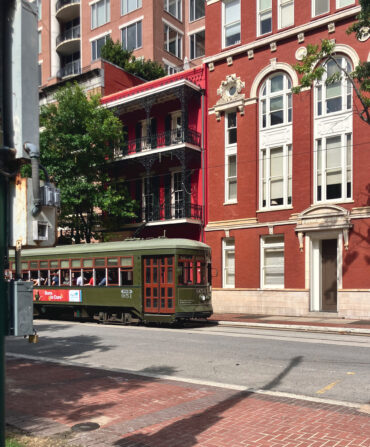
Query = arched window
x=335 y=96
x=276 y=101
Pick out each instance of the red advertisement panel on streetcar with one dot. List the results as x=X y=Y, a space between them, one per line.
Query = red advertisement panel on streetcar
x=62 y=295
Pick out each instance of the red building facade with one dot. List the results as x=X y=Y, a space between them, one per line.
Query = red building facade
x=162 y=161
x=288 y=175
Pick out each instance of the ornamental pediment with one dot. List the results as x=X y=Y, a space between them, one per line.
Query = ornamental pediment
x=231 y=96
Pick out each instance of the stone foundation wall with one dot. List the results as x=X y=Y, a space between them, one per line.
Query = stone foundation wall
x=354 y=303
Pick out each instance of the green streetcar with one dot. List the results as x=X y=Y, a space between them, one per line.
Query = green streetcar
x=147 y=280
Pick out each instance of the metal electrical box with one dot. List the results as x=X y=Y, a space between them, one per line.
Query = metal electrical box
x=32 y=231
x=21 y=308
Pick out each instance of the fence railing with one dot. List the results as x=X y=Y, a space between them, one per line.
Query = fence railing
x=71 y=33
x=169 y=211
x=61 y=3
x=72 y=68
x=160 y=140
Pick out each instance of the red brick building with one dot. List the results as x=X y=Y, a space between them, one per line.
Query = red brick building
x=162 y=161
x=288 y=175
x=72 y=32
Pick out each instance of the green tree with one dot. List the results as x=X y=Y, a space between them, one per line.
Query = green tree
x=312 y=71
x=145 y=69
x=77 y=145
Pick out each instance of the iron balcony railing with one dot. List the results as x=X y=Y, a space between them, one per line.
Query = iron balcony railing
x=72 y=68
x=160 y=140
x=61 y=3
x=69 y=34
x=169 y=211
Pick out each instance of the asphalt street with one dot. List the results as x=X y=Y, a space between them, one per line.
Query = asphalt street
x=330 y=366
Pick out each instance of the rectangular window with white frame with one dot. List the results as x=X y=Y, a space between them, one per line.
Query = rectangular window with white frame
x=286 y=13
x=172 y=41
x=128 y=6
x=100 y=13
x=333 y=168
x=343 y=3
x=96 y=46
x=320 y=7
x=264 y=22
x=132 y=36
x=197 y=10
x=197 y=44
x=230 y=158
x=231 y=22
x=174 y=7
x=228 y=263
x=276 y=177
x=272 y=262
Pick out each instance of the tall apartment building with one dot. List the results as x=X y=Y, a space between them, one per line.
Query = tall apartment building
x=72 y=32
x=288 y=175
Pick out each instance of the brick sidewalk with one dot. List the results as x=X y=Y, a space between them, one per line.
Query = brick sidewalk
x=134 y=411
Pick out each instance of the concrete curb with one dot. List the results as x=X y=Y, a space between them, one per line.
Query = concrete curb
x=299 y=327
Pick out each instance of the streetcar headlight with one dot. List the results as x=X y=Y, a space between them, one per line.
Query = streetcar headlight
x=202 y=297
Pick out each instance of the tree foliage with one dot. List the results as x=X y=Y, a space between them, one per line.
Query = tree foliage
x=77 y=144
x=145 y=69
x=311 y=70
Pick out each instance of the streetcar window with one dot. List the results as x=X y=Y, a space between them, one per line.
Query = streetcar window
x=65 y=278
x=44 y=265
x=127 y=277
x=126 y=262
x=64 y=264
x=100 y=277
x=75 y=274
x=25 y=276
x=43 y=277
x=170 y=275
x=112 y=261
x=87 y=262
x=34 y=265
x=186 y=271
x=113 y=277
x=24 y=265
x=200 y=273
x=100 y=262
x=169 y=303
x=209 y=271
x=54 y=264
x=76 y=263
x=170 y=292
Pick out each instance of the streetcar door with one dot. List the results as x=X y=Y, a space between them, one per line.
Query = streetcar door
x=159 y=290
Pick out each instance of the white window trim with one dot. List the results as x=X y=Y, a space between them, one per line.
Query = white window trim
x=195 y=31
x=168 y=12
x=258 y=19
x=226 y=248
x=324 y=114
x=337 y=6
x=181 y=37
x=199 y=18
x=190 y=35
x=129 y=12
x=91 y=4
x=99 y=36
x=94 y=40
x=223 y=34
x=280 y=4
x=285 y=156
x=170 y=64
x=230 y=149
x=342 y=199
x=174 y=27
x=313 y=9
x=285 y=92
x=131 y=22
x=263 y=245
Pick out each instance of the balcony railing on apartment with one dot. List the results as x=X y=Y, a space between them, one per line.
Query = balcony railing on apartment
x=61 y=3
x=70 y=69
x=160 y=140
x=169 y=211
x=69 y=34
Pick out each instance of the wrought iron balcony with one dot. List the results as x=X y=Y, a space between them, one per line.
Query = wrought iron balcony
x=69 y=34
x=70 y=69
x=160 y=140
x=171 y=212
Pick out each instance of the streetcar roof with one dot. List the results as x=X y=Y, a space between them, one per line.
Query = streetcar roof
x=126 y=245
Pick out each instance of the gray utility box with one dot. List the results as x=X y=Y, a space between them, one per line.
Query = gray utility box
x=21 y=308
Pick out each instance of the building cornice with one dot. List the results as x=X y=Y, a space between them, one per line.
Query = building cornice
x=283 y=35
